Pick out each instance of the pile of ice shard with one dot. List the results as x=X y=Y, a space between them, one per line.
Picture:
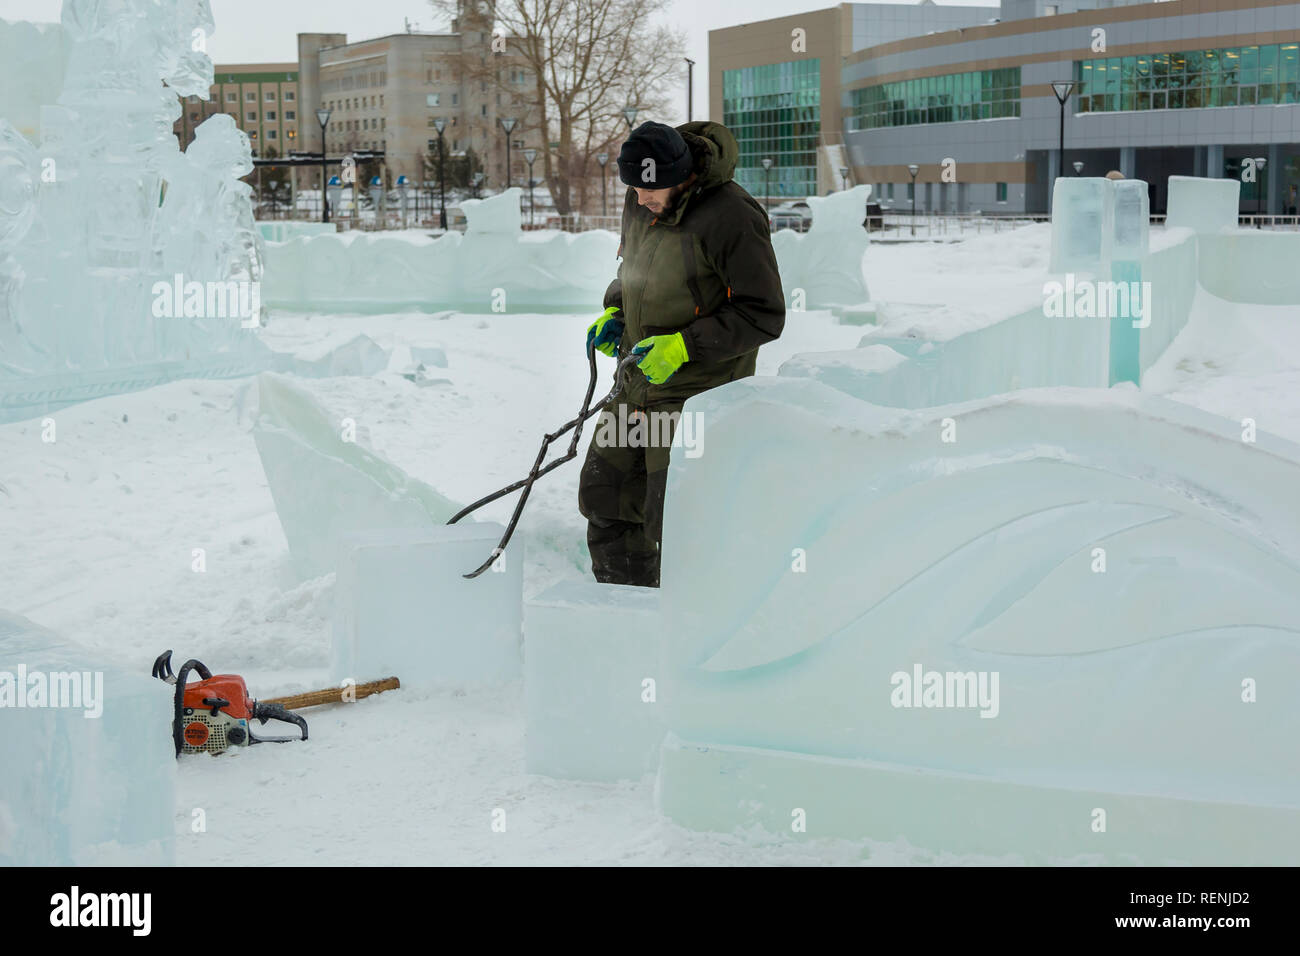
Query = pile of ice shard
x=123 y=261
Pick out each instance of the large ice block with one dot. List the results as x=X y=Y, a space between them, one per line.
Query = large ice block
x=823 y=267
x=1205 y=205
x=1083 y=224
x=326 y=486
x=1132 y=219
x=1046 y=603
x=88 y=782
x=404 y=609
x=591 y=665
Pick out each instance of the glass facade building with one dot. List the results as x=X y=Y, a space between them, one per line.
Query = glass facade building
x=774 y=110
x=982 y=94
x=1194 y=79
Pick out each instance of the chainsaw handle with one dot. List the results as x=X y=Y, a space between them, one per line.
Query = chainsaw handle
x=265 y=712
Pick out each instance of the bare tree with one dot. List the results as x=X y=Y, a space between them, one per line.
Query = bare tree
x=586 y=60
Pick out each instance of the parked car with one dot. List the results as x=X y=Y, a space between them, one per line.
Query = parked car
x=875 y=217
x=794 y=215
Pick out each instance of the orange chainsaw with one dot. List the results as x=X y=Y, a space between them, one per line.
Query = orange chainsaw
x=215 y=713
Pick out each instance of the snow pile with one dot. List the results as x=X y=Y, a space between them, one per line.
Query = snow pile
x=1109 y=570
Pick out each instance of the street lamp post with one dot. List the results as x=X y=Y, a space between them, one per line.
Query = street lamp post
x=530 y=156
x=1078 y=167
x=913 y=169
x=690 y=85
x=767 y=192
x=1062 y=89
x=629 y=114
x=323 y=117
x=509 y=126
x=844 y=176
x=1260 y=163
x=603 y=158
x=440 y=124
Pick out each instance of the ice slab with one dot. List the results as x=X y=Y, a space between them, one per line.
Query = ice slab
x=1132 y=219
x=90 y=782
x=358 y=355
x=429 y=355
x=823 y=267
x=325 y=485
x=589 y=651
x=795 y=634
x=1205 y=205
x=1083 y=224
x=404 y=609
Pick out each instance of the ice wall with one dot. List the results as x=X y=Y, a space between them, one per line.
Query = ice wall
x=1128 y=567
x=495 y=265
x=124 y=262
x=78 y=790
x=325 y=485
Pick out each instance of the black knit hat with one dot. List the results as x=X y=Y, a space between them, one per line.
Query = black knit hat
x=672 y=162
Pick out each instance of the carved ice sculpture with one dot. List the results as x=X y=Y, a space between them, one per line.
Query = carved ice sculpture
x=120 y=212
x=826 y=262
x=1127 y=567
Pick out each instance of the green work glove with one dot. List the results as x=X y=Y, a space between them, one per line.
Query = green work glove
x=664 y=355
x=606 y=332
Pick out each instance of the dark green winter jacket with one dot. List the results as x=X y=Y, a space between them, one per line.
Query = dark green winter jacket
x=704 y=268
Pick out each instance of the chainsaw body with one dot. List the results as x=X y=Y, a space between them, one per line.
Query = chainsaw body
x=215 y=713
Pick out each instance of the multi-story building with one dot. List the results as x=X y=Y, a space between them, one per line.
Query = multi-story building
x=386 y=94
x=262 y=98
x=1185 y=87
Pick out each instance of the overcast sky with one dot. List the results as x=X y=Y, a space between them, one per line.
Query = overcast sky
x=269 y=28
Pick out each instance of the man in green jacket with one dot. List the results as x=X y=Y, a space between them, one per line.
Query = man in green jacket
x=697 y=293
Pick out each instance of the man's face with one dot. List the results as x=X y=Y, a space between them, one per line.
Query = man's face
x=659 y=201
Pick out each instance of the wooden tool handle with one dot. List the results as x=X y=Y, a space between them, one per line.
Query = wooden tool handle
x=334 y=695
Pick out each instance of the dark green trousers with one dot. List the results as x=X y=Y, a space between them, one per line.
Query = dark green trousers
x=621 y=491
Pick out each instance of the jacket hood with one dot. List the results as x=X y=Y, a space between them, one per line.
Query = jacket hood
x=715 y=150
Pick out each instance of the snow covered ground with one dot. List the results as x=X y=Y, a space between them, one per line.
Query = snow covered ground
x=113 y=510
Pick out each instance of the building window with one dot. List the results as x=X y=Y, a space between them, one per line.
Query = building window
x=775 y=111
x=269 y=96
x=891 y=190
x=250 y=97
x=289 y=96
x=483 y=110
x=290 y=116
x=1191 y=79
x=455 y=99
x=952 y=98
x=232 y=97
x=911 y=190
x=252 y=134
x=432 y=99
x=250 y=117
x=1002 y=192
x=270 y=134
x=270 y=116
